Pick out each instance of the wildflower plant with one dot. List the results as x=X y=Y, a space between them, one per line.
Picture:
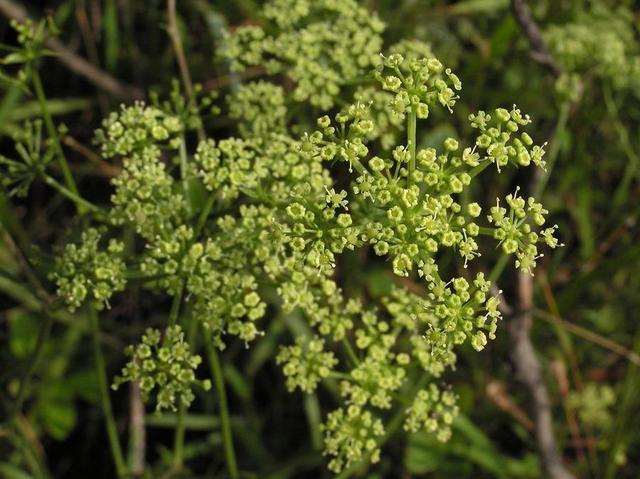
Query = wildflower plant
x=600 y=43
x=166 y=364
x=230 y=228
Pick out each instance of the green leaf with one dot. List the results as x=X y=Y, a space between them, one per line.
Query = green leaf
x=422 y=460
x=84 y=383
x=56 y=410
x=24 y=332
x=55 y=106
x=14 y=58
x=9 y=471
x=469 y=446
x=470 y=7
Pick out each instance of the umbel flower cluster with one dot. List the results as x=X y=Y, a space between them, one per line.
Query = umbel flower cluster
x=229 y=227
x=599 y=43
x=166 y=364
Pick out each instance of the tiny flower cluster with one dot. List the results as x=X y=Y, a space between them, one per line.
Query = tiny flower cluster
x=433 y=411
x=417 y=84
x=259 y=218
x=306 y=363
x=352 y=433
x=135 y=127
x=84 y=272
x=260 y=109
x=601 y=43
x=514 y=229
x=497 y=139
x=166 y=364
x=322 y=45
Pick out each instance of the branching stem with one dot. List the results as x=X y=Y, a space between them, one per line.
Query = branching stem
x=53 y=133
x=176 y=43
x=74 y=196
x=225 y=422
x=105 y=400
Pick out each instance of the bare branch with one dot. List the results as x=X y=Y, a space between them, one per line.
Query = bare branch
x=137 y=445
x=74 y=62
x=539 y=50
x=529 y=371
x=497 y=392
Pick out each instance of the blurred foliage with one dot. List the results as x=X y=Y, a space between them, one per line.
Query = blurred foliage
x=591 y=118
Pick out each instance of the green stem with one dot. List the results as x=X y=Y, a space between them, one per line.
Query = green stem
x=561 y=124
x=73 y=196
x=204 y=214
x=53 y=132
x=392 y=427
x=22 y=260
x=184 y=170
x=185 y=75
x=486 y=230
x=110 y=423
x=43 y=335
x=178 y=441
x=175 y=307
x=225 y=423
x=631 y=169
x=411 y=140
x=314 y=418
x=498 y=268
x=476 y=170
x=350 y=352
x=358 y=166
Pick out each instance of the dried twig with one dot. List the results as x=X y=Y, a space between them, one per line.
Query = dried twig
x=539 y=50
x=137 y=435
x=527 y=365
x=497 y=393
x=178 y=50
x=174 y=34
x=74 y=62
x=559 y=370
x=529 y=371
x=590 y=336
x=105 y=168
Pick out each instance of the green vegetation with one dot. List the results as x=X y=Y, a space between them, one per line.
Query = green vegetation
x=319 y=239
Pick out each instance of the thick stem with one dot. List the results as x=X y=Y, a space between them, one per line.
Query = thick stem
x=529 y=371
x=175 y=307
x=350 y=351
x=53 y=132
x=498 y=268
x=178 y=439
x=476 y=170
x=105 y=400
x=225 y=423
